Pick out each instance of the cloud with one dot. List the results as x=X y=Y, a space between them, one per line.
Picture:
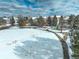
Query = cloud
x=40 y=7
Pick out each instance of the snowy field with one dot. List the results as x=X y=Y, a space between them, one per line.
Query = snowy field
x=28 y=43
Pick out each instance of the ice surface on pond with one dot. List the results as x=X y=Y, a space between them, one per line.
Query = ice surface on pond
x=44 y=48
x=29 y=44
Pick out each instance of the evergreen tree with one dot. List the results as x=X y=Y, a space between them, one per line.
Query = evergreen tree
x=76 y=45
x=26 y=18
x=49 y=21
x=61 y=19
x=71 y=20
x=40 y=21
x=31 y=21
x=54 y=21
x=76 y=22
x=12 y=21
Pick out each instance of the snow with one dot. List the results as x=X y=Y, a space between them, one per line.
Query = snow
x=10 y=38
x=7 y=25
x=58 y=30
x=69 y=45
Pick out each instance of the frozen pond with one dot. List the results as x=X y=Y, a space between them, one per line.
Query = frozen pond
x=29 y=44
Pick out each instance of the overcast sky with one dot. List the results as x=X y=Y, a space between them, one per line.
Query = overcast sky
x=39 y=7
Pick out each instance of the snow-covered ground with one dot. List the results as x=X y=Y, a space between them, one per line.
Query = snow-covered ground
x=13 y=37
x=7 y=25
x=69 y=46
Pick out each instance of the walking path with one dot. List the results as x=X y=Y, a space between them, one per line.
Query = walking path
x=64 y=45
